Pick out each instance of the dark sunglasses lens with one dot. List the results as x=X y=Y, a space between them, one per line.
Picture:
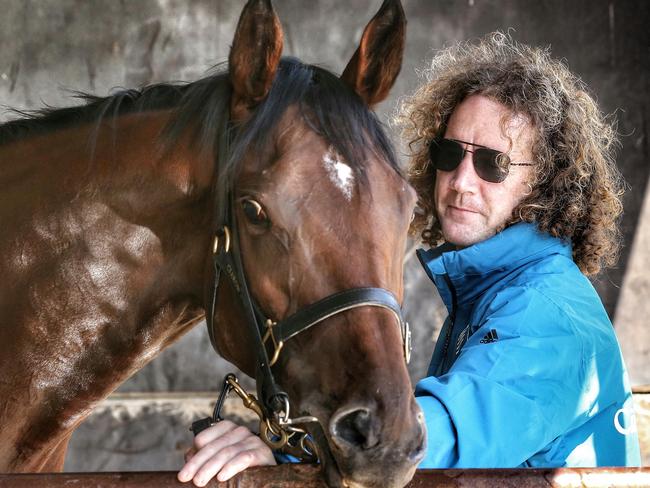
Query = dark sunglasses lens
x=445 y=155
x=491 y=165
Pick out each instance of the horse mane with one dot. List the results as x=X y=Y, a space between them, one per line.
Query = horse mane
x=93 y=109
x=327 y=104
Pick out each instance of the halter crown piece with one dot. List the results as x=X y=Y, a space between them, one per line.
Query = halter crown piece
x=273 y=401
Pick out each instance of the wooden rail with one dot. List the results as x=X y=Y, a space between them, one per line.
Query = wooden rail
x=306 y=476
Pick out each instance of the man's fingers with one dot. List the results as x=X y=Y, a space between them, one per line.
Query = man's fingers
x=216 y=464
x=239 y=463
x=189 y=454
x=235 y=458
x=215 y=453
x=213 y=432
x=224 y=449
x=244 y=459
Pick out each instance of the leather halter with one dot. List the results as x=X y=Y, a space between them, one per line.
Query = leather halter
x=227 y=259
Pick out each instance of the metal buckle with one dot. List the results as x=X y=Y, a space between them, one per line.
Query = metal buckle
x=215 y=243
x=407 y=342
x=277 y=346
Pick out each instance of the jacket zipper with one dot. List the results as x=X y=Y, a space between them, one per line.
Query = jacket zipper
x=452 y=320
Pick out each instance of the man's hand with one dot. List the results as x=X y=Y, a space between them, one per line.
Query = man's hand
x=224 y=450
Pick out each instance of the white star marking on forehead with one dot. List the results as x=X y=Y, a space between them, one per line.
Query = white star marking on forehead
x=339 y=173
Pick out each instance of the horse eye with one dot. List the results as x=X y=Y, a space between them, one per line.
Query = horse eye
x=254 y=212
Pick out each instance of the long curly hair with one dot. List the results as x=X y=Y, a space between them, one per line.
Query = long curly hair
x=576 y=189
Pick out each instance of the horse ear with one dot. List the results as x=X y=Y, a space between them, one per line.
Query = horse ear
x=254 y=57
x=375 y=65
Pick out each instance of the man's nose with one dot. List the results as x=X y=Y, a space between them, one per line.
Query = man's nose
x=464 y=178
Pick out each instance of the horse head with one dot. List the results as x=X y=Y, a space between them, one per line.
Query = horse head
x=320 y=207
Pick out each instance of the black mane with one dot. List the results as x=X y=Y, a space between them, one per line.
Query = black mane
x=329 y=106
x=94 y=109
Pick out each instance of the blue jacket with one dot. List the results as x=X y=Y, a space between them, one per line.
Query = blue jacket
x=527 y=370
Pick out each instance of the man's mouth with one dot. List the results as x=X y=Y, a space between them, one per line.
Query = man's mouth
x=462 y=210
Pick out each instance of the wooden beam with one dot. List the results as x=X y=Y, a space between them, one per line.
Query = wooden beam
x=307 y=476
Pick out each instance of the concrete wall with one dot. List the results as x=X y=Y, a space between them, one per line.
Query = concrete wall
x=49 y=46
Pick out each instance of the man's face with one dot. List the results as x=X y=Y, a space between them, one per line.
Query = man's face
x=470 y=209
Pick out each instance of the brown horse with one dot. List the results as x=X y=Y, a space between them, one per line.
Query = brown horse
x=107 y=219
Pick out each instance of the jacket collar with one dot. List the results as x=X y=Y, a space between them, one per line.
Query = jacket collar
x=474 y=269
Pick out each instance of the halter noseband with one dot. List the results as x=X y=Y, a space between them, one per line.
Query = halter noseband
x=227 y=259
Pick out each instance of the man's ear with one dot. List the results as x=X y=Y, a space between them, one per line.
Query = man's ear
x=254 y=57
x=375 y=65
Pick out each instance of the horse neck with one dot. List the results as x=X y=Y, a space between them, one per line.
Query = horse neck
x=103 y=265
x=119 y=171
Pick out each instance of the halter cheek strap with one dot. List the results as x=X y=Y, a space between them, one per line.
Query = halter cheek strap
x=337 y=303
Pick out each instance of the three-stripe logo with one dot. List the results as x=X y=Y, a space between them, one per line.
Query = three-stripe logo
x=490 y=337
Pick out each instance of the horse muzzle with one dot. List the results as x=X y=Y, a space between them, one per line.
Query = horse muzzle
x=368 y=451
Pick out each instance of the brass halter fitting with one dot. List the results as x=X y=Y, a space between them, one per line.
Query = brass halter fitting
x=277 y=346
x=279 y=431
x=226 y=241
x=406 y=342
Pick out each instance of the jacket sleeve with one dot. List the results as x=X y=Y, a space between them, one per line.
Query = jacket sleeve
x=503 y=401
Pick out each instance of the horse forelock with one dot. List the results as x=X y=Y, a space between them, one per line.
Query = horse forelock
x=328 y=107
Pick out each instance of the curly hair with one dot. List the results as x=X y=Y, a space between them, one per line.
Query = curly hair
x=577 y=188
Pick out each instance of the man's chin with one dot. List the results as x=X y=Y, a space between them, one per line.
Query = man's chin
x=464 y=235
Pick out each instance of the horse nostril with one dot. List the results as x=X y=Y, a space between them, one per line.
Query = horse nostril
x=356 y=428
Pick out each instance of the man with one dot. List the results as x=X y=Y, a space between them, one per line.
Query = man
x=513 y=166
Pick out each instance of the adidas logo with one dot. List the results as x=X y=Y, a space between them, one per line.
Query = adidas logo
x=490 y=337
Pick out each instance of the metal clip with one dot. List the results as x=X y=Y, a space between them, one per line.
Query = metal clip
x=250 y=401
x=300 y=445
x=277 y=346
x=202 y=424
x=273 y=435
x=279 y=433
x=270 y=431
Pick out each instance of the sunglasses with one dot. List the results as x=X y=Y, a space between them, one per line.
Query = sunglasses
x=490 y=164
